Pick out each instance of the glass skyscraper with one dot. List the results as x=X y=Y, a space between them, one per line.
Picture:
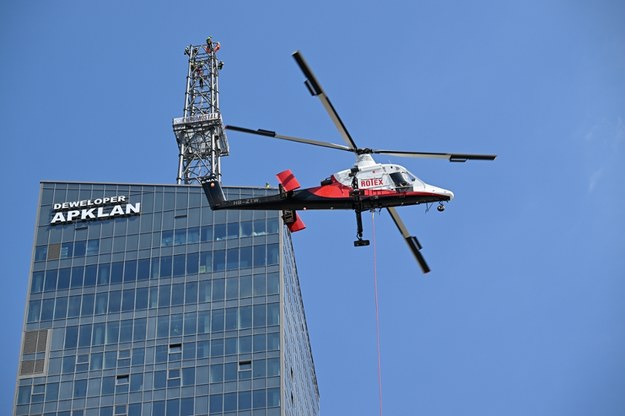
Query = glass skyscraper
x=143 y=301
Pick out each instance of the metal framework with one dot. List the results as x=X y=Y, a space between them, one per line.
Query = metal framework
x=200 y=131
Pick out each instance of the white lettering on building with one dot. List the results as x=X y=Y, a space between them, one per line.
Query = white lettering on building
x=99 y=208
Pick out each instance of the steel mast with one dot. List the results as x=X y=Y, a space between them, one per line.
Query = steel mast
x=200 y=131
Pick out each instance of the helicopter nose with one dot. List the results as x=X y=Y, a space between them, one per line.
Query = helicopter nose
x=444 y=192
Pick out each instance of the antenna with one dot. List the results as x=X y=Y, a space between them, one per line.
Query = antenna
x=200 y=131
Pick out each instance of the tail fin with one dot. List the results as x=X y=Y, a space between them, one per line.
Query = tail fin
x=213 y=191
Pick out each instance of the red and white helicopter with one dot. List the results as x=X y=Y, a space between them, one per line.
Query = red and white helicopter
x=365 y=186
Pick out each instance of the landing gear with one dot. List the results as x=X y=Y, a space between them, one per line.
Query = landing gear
x=440 y=208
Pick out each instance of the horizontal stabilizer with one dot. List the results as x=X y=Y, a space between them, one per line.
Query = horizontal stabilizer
x=287 y=180
x=293 y=221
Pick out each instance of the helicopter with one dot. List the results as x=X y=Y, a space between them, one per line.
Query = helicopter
x=366 y=186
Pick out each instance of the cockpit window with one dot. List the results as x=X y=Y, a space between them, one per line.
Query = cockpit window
x=402 y=182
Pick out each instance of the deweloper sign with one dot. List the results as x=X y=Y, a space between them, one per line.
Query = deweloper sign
x=94 y=209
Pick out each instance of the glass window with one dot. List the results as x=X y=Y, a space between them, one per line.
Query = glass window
x=216 y=403
x=34 y=311
x=110 y=359
x=130 y=271
x=231 y=345
x=220 y=232
x=138 y=355
x=128 y=300
x=87 y=305
x=50 y=284
x=260 y=258
x=91 y=273
x=167 y=237
x=73 y=310
x=101 y=301
x=245 y=286
x=193 y=235
x=41 y=253
x=259 y=368
x=260 y=285
x=69 y=362
x=114 y=301
x=136 y=382
x=245 y=317
x=219 y=289
x=260 y=342
x=60 y=310
x=217 y=323
x=273 y=283
x=205 y=291
x=232 y=230
x=108 y=386
x=143 y=272
x=64 y=278
x=260 y=227
x=230 y=402
x=245 y=400
x=80 y=248
x=165 y=266
x=47 y=309
x=231 y=371
x=273 y=254
x=203 y=322
x=77 y=276
x=273 y=367
x=84 y=338
x=164 y=295
x=142 y=298
x=190 y=323
x=37 y=282
x=273 y=397
x=273 y=314
x=160 y=379
x=245 y=345
x=272 y=225
x=99 y=334
x=206 y=233
x=67 y=250
x=162 y=326
x=104 y=274
x=232 y=318
x=260 y=399
x=260 y=316
x=217 y=347
x=246 y=228
x=93 y=247
x=177 y=294
x=245 y=258
x=180 y=237
x=71 y=337
x=175 y=327
x=202 y=349
x=192 y=263
x=117 y=272
x=206 y=262
x=140 y=327
x=273 y=341
x=95 y=361
x=232 y=259
x=112 y=332
x=190 y=296
x=179 y=264
x=186 y=406
x=219 y=260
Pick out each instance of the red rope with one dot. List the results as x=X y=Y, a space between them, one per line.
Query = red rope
x=377 y=311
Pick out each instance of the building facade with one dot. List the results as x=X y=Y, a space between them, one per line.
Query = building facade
x=143 y=301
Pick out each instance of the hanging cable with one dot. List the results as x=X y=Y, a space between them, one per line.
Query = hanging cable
x=377 y=310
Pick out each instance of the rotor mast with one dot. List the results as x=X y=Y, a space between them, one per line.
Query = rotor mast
x=200 y=132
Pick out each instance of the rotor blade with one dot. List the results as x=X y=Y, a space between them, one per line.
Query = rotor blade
x=269 y=133
x=315 y=89
x=411 y=240
x=452 y=157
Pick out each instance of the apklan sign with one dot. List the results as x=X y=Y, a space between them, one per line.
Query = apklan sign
x=94 y=209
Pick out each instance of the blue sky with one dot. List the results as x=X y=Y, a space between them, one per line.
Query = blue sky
x=523 y=312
